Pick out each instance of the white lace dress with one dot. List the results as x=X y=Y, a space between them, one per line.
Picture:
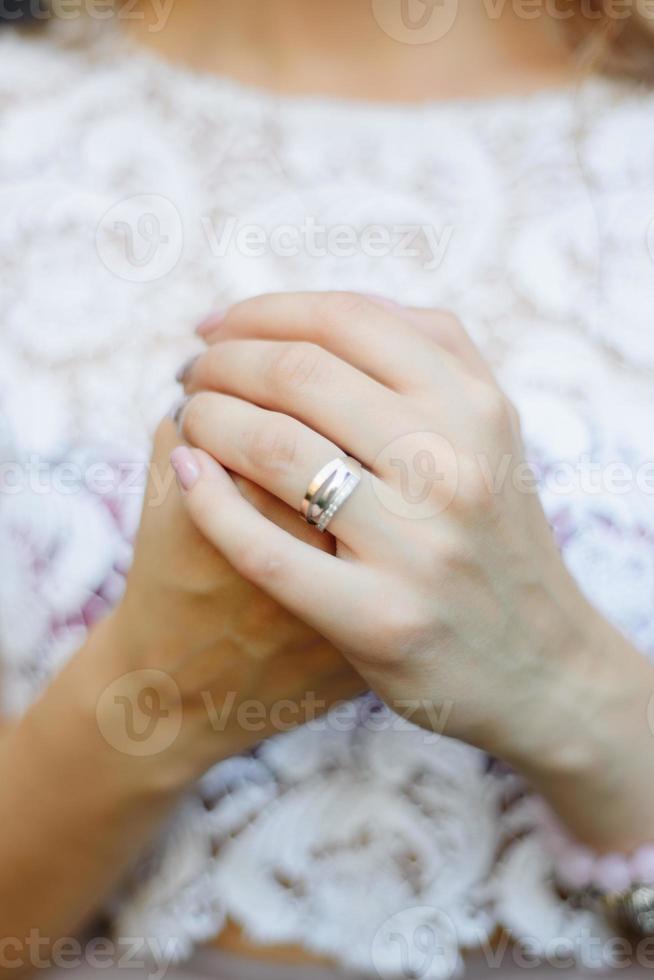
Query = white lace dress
x=136 y=197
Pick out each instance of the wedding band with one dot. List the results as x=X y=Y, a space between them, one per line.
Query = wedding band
x=319 y=485
x=340 y=496
x=328 y=490
x=322 y=500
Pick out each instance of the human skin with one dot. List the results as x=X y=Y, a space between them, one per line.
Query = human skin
x=458 y=597
x=342 y=48
x=71 y=817
x=76 y=804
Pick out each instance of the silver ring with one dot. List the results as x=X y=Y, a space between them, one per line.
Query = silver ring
x=340 y=496
x=320 y=483
x=322 y=500
x=328 y=491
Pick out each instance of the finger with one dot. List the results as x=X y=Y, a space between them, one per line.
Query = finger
x=372 y=337
x=282 y=515
x=319 y=588
x=166 y=439
x=311 y=384
x=281 y=455
x=448 y=332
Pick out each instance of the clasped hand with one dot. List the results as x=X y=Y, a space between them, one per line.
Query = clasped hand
x=445 y=588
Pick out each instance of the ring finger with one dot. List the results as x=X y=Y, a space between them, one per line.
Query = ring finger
x=282 y=455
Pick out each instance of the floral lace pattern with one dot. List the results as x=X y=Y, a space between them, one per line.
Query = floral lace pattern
x=530 y=218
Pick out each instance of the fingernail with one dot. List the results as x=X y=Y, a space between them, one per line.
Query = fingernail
x=383 y=301
x=185 y=369
x=186 y=469
x=210 y=323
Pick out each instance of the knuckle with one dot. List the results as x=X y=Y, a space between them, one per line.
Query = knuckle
x=271 y=445
x=487 y=495
x=455 y=336
x=258 y=563
x=445 y=329
x=240 y=316
x=403 y=627
x=447 y=556
x=493 y=407
x=297 y=365
x=332 y=308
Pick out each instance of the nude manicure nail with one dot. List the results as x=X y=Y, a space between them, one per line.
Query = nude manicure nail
x=186 y=469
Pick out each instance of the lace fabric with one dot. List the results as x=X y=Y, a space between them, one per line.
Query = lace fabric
x=531 y=219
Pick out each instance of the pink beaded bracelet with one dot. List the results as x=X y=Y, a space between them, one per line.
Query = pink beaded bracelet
x=578 y=868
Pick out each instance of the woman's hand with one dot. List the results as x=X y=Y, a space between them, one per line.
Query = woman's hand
x=242 y=666
x=194 y=665
x=446 y=591
x=444 y=587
